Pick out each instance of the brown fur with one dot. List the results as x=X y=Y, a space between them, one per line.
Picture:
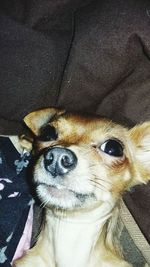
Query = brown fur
x=96 y=173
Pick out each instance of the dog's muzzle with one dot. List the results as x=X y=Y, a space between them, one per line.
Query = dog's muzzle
x=59 y=161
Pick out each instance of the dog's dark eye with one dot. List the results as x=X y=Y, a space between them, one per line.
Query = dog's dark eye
x=112 y=148
x=48 y=133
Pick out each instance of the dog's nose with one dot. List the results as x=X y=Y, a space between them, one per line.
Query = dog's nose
x=59 y=161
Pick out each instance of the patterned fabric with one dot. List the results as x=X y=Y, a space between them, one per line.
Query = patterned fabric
x=15 y=199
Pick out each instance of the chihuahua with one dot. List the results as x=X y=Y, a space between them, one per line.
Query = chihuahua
x=83 y=166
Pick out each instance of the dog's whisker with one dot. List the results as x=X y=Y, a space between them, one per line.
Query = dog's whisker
x=92 y=165
x=99 y=185
x=101 y=181
x=43 y=205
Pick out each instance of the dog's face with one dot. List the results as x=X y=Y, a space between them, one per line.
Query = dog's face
x=84 y=161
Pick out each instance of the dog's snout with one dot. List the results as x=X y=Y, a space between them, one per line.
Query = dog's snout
x=59 y=161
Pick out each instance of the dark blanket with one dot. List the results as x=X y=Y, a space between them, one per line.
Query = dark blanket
x=15 y=199
x=87 y=55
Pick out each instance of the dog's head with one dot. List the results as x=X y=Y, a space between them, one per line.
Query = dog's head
x=84 y=161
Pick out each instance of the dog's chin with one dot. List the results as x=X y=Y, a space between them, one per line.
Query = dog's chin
x=61 y=198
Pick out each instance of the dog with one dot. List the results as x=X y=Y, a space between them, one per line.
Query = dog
x=83 y=166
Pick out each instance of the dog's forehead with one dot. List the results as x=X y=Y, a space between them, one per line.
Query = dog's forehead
x=80 y=122
x=88 y=127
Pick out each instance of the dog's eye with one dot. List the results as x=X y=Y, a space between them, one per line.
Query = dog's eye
x=112 y=148
x=48 y=133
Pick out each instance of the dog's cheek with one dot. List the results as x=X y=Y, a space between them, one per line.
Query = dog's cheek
x=40 y=175
x=121 y=175
x=101 y=182
x=79 y=179
x=111 y=177
x=104 y=196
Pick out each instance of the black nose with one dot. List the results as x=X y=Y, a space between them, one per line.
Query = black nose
x=59 y=161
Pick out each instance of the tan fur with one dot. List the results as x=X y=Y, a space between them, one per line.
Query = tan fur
x=92 y=224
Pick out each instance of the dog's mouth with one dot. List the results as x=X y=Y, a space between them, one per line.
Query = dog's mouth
x=60 y=196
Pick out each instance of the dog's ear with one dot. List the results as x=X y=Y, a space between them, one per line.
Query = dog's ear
x=36 y=119
x=140 y=137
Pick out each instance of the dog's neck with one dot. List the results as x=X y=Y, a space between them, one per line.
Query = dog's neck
x=74 y=237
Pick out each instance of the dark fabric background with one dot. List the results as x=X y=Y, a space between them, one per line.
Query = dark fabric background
x=82 y=55
x=86 y=55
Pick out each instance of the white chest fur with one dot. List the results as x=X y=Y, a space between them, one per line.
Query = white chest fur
x=73 y=238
